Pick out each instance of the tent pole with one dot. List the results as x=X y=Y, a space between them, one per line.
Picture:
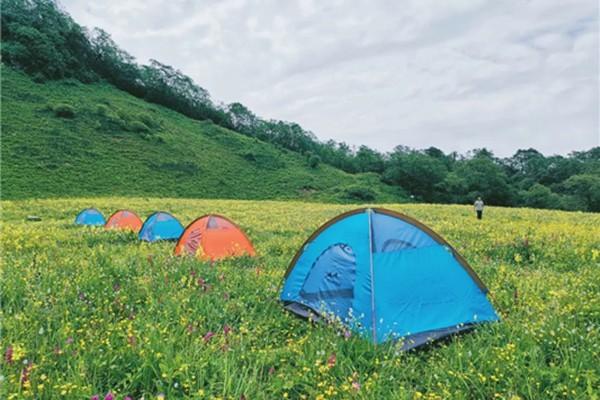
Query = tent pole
x=373 y=316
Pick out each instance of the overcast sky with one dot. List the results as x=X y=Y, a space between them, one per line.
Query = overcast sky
x=453 y=74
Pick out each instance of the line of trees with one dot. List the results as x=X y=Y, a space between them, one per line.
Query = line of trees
x=528 y=178
x=44 y=41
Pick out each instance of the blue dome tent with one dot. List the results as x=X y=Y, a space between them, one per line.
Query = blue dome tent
x=387 y=277
x=160 y=226
x=91 y=217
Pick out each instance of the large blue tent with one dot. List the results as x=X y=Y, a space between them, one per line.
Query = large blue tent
x=387 y=277
x=90 y=216
x=161 y=226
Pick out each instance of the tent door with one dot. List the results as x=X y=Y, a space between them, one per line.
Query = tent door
x=330 y=282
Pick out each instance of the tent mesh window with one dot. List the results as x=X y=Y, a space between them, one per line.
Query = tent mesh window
x=393 y=234
x=162 y=217
x=212 y=223
x=396 y=245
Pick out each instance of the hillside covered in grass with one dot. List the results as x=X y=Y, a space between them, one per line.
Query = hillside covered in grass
x=65 y=138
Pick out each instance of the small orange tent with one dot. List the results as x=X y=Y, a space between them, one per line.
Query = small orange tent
x=124 y=219
x=214 y=237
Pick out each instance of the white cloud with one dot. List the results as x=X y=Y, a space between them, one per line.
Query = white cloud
x=457 y=75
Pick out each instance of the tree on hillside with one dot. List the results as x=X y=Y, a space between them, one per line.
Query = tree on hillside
x=115 y=64
x=590 y=160
x=243 y=120
x=314 y=161
x=586 y=188
x=454 y=189
x=559 y=169
x=166 y=85
x=527 y=165
x=539 y=196
x=291 y=136
x=44 y=41
x=416 y=172
x=368 y=160
x=482 y=176
x=592 y=154
x=340 y=155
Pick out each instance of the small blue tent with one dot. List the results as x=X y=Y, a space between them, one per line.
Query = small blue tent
x=387 y=277
x=161 y=226
x=90 y=216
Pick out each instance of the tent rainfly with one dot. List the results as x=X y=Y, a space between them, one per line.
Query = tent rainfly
x=160 y=226
x=124 y=220
x=90 y=217
x=212 y=238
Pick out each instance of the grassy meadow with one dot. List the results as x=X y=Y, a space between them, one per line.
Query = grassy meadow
x=88 y=312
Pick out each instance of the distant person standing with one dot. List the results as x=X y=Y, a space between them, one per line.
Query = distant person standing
x=479 y=207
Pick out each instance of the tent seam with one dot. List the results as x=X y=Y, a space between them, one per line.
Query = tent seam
x=373 y=315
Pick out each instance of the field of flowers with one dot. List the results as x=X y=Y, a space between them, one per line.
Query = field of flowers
x=93 y=314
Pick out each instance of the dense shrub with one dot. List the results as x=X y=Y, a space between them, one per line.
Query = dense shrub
x=64 y=111
x=262 y=159
x=586 y=188
x=359 y=193
x=102 y=110
x=112 y=120
x=539 y=196
x=149 y=121
x=138 y=126
x=314 y=161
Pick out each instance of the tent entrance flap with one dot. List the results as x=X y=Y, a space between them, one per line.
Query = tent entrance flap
x=330 y=283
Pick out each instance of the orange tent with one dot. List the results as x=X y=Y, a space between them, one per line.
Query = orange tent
x=214 y=237
x=124 y=219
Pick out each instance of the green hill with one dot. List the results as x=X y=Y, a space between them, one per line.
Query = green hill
x=65 y=138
